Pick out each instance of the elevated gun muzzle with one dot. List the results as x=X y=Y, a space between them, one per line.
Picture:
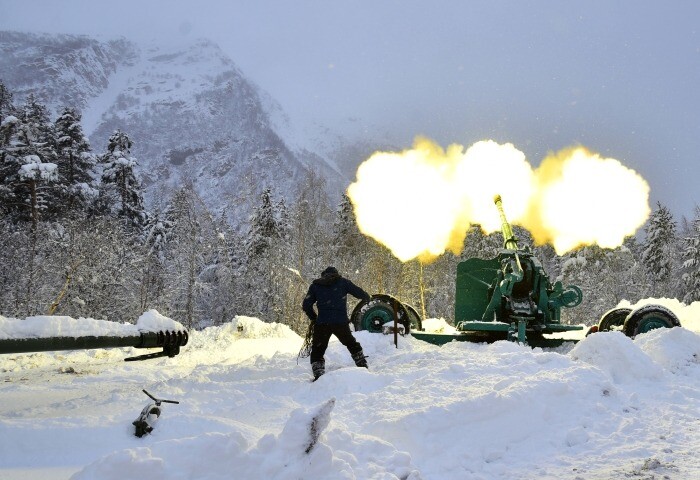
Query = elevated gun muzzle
x=513 y=273
x=509 y=240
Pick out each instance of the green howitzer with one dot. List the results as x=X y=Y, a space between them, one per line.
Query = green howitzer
x=511 y=296
x=169 y=341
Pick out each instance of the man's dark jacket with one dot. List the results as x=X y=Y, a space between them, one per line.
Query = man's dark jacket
x=330 y=293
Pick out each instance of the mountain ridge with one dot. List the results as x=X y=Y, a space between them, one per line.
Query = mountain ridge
x=192 y=115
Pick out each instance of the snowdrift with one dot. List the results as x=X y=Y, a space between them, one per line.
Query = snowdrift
x=609 y=407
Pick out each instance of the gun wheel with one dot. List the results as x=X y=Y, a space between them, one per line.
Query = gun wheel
x=613 y=318
x=373 y=314
x=649 y=317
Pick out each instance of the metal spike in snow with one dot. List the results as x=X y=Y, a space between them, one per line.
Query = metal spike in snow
x=169 y=341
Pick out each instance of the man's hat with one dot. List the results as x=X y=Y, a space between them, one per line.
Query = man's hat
x=329 y=271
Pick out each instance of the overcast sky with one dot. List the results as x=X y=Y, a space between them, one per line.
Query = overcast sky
x=620 y=77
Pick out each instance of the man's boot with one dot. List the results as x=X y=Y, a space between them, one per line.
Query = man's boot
x=318 y=368
x=360 y=359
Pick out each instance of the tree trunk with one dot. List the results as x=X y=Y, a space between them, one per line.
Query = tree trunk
x=421 y=289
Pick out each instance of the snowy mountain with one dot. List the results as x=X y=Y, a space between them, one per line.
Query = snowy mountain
x=192 y=114
x=61 y=70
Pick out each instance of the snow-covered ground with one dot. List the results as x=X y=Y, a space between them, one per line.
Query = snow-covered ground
x=609 y=407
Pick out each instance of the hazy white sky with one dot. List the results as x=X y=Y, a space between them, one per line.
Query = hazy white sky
x=620 y=77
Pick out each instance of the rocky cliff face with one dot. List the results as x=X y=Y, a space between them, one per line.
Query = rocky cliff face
x=192 y=115
x=61 y=69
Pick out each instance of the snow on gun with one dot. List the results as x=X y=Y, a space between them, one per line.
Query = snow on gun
x=54 y=333
x=509 y=297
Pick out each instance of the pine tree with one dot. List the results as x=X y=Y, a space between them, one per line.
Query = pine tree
x=9 y=125
x=76 y=164
x=27 y=168
x=691 y=260
x=157 y=232
x=284 y=226
x=7 y=108
x=660 y=251
x=347 y=242
x=439 y=278
x=124 y=193
x=263 y=228
x=260 y=242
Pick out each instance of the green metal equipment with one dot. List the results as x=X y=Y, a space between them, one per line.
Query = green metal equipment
x=381 y=310
x=509 y=297
x=633 y=322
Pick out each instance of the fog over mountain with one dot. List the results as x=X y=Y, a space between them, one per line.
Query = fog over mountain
x=192 y=115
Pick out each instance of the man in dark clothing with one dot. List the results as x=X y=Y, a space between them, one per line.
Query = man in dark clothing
x=330 y=293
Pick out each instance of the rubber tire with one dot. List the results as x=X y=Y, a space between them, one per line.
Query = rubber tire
x=648 y=318
x=386 y=303
x=356 y=317
x=376 y=315
x=613 y=318
x=414 y=318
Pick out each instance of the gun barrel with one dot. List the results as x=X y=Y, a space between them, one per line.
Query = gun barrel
x=509 y=240
x=170 y=341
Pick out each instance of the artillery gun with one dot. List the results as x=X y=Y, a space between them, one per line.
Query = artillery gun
x=509 y=297
x=169 y=341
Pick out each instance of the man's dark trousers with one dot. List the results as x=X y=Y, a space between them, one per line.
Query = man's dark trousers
x=322 y=334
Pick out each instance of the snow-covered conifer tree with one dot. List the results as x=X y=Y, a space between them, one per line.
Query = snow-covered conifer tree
x=690 y=256
x=283 y=220
x=262 y=238
x=660 y=250
x=76 y=164
x=124 y=193
x=9 y=123
x=156 y=233
x=347 y=243
x=263 y=228
x=6 y=106
x=27 y=169
x=310 y=219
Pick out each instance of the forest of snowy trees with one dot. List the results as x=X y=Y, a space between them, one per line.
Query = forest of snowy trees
x=77 y=239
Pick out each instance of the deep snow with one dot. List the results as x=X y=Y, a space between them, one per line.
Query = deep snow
x=609 y=407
